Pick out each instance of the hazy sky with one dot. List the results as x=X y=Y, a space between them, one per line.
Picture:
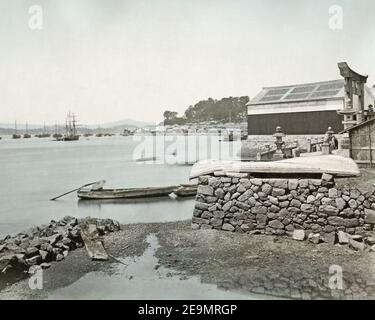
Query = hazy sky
x=114 y=59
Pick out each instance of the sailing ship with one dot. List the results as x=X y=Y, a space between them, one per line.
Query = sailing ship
x=44 y=134
x=15 y=134
x=57 y=135
x=70 y=127
x=26 y=135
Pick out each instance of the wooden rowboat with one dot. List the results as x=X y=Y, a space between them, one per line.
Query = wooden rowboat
x=131 y=193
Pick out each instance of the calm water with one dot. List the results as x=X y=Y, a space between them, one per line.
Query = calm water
x=34 y=170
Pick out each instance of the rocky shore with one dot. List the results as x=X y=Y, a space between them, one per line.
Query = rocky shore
x=41 y=245
x=238 y=262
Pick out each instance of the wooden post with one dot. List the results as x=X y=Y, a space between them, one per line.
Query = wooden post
x=370 y=149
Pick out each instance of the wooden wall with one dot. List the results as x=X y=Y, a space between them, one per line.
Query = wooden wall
x=314 y=122
x=362 y=144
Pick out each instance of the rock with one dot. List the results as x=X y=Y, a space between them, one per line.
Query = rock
x=219 y=192
x=54 y=238
x=353 y=204
x=45 y=265
x=241 y=188
x=295 y=203
x=59 y=257
x=327 y=177
x=303 y=183
x=261 y=219
x=356 y=237
x=266 y=188
x=336 y=221
x=370 y=240
x=330 y=210
x=292 y=184
x=259 y=210
x=350 y=223
x=343 y=237
x=203 y=179
x=205 y=190
x=310 y=199
x=340 y=203
x=278 y=192
x=43 y=254
x=257 y=182
x=34 y=260
x=214 y=182
x=276 y=224
x=274 y=208
x=358 y=246
x=329 y=237
x=31 y=252
x=354 y=193
x=307 y=208
x=279 y=183
x=314 y=238
x=247 y=227
x=216 y=222
x=369 y=216
x=333 y=193
x=299 y=235
x=227 y=227
x=201 y=205
x=227 y=206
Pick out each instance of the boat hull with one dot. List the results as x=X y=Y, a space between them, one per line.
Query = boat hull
x=132 y=193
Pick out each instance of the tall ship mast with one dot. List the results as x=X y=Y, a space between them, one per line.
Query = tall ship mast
x=15 y=134
x=70 y=128
x=26 y=135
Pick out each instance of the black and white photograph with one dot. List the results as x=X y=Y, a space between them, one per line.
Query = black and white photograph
x=187 y=150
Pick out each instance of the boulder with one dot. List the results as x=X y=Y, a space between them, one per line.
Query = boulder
x=369 y=216
x=278 y=192
x=343 y=237
x=307 y=208
x=314 y=238
x=205 y=190
x=299 y=235
x=227 y=227
x=356 y=245
x=276 y=224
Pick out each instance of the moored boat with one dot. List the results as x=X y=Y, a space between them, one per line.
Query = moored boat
x=131 y=193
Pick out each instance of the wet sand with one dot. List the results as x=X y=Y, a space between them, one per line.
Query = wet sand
x=158 y=259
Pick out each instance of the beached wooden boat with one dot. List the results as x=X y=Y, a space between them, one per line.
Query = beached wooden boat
x=311 y=164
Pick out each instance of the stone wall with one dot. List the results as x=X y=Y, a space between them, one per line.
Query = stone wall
x=313 y=209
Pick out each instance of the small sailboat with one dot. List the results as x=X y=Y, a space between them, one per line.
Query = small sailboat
x=15 y=134
x=26 y=135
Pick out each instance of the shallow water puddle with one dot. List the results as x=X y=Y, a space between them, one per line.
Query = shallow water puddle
x=140 y=278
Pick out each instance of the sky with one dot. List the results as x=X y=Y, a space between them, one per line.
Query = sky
x=115 y=59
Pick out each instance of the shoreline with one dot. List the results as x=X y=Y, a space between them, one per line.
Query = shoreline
x=274 y=266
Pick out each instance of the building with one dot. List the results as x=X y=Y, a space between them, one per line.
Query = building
x=362 y=142
x=311 y=108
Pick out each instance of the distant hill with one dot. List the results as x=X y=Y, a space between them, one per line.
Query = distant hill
x=116 y=126
x=130 y=123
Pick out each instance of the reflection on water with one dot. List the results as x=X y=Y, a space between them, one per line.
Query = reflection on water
x=142 y=278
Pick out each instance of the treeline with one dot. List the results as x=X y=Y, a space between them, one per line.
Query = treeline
x=231 y=109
